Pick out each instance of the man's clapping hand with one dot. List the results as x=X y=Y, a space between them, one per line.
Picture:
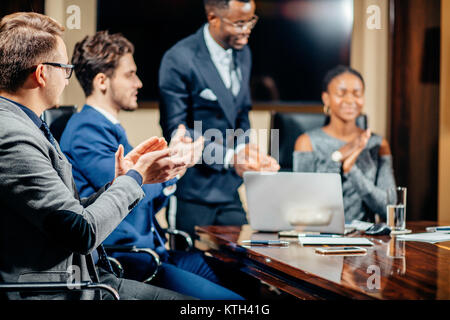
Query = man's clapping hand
x=251 y=159
x=152 y=159
x=183 y=147
x=123 y=164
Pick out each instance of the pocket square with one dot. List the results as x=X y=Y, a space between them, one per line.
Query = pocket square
x=208 y=95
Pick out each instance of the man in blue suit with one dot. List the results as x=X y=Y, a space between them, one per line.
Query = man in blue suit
x=106 y=70
x=204 y=84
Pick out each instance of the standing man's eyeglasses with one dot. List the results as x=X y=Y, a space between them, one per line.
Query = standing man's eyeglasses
x=67 y=67
x=242 y=26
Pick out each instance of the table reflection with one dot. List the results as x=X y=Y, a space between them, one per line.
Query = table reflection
x=391 y=269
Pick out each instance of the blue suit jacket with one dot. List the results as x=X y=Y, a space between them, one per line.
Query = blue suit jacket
x=186 y=70
x=90 y=141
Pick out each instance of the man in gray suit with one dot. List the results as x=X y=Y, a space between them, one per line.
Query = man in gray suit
x=46 y=233
x=204 y=85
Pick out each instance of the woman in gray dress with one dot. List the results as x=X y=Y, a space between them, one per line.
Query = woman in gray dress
x=362 y=158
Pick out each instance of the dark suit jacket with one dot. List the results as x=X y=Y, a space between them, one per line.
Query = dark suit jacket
x=45 y=231
x=186 y=70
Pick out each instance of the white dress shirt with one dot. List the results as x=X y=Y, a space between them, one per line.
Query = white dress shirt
x=223 y=61
x=107 y=115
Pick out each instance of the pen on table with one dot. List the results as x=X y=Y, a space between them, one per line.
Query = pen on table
x=306 y=235
x=434 y=229
x=266 y=242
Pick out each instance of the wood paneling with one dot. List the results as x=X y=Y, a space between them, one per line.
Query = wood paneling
x=370 y=56
x=261 y=106
x=415 y=103
x=444 y=134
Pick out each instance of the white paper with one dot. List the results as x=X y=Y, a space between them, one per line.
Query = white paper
x=431 y=237
x=335 y=241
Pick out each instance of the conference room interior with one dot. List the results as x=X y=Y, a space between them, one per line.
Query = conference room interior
x=402 y=49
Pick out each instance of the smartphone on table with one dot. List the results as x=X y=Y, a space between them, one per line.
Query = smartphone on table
x=341 y=250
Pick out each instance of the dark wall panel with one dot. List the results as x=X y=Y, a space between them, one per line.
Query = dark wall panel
x=294 y=43
x=415 y=103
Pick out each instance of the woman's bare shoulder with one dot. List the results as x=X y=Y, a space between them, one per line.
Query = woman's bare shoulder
x=303 y=143
x=385 y=149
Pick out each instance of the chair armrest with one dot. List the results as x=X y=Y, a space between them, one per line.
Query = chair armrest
x=117 y=267
x=57 y=286
x=134 y=249
x=118 y=248
x=173 y=233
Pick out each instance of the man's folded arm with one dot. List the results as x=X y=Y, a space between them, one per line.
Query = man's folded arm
x=85 y=202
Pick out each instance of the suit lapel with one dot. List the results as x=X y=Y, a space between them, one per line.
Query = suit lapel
x=22 y=115
x=212 y=77
x=31 y=125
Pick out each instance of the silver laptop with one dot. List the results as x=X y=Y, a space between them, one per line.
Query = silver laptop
x=310 y=202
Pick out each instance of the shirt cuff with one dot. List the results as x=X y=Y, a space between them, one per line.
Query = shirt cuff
x=168 y=191
x=230 y=153
x=135 y=175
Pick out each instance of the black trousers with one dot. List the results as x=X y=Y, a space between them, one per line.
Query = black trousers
x=135 y=290
x=190 y=214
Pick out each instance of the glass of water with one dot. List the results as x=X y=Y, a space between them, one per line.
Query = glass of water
x=396 y=210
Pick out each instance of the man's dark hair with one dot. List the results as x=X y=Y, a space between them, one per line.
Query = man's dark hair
x=96 y=54
x=26 y=40
x=219 y=4
x=336 y=72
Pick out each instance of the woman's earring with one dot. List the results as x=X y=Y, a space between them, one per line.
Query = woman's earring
x=326 y=110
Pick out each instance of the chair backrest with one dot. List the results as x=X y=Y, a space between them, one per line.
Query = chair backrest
x=293 y=124
x=57 y=119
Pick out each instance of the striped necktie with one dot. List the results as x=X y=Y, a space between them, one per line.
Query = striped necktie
x=235 y=83
x=44 y=128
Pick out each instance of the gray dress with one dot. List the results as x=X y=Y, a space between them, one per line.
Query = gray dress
x=367 y=187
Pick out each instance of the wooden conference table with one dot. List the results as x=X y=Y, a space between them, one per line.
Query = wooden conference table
x=391 y=269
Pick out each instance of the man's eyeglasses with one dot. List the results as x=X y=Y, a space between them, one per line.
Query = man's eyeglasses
x=242 y=26
x=67 y=67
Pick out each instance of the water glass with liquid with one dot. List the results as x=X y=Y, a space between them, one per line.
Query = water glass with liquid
x=396 y=210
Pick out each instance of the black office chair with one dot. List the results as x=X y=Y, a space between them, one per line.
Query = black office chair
x=117 y=265
x=57 y=118
x=179 y=240
x=292 y=124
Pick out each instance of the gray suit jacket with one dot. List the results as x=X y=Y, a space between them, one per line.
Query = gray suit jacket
x=46 y=232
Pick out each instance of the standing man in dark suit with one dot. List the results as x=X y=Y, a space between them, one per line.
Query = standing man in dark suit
x=204 y=84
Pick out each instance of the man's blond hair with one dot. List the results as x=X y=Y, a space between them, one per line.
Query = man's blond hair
x=26 y=39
